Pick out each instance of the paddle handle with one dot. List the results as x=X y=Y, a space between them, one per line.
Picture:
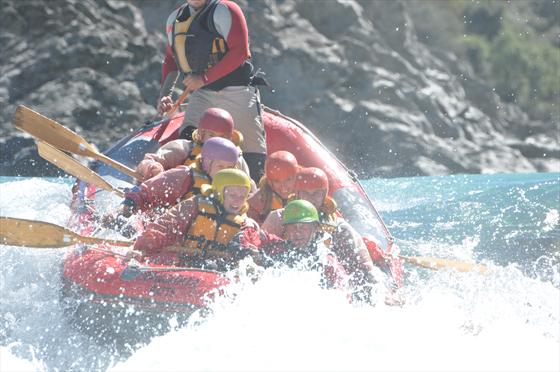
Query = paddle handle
x=178 y=103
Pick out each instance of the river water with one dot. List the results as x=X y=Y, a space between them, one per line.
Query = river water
x=508 y=320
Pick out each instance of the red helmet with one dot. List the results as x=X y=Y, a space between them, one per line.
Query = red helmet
x=312 y=179
x=280 y=165
x=217 y=120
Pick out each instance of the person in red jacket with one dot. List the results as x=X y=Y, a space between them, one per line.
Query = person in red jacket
x=215 y=122
x=312 y=184
x=199 y=229
x=275 y=186
x=180 y=183
x=208 y=42
x=304 y=244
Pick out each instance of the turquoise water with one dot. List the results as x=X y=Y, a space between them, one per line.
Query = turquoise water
x=504 y=321
x=504 y=218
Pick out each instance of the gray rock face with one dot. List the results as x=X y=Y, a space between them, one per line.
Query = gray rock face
x=353 y=71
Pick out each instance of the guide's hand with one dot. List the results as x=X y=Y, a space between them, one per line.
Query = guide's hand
x=165 y=104
x=193 y=82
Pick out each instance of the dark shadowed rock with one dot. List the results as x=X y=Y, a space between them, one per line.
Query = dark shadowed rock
x=19 y=157
x=353 y=71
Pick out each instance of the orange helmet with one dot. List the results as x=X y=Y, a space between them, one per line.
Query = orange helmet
x=280 y=165
x=217 y=120
x=312 y=179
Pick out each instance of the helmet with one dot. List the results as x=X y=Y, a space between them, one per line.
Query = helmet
x=218 y=148
x=229 y=177
x=299 y=211
x=312 y=179
x=217 y=120
x=280 y=165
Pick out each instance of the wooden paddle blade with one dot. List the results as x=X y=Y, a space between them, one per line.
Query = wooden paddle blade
x=74 y=167
x=27 y=233
x=441 y=263
x=62 y=138
x=38 y=234
x=51 y=132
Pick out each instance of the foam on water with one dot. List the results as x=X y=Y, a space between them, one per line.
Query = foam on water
x=504 y=321
x=10 y=362
x=451 y=322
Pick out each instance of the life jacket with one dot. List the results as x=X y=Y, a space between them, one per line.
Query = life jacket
x=272 y=201
x=197 y=45
x=195 y=151
x=212 y=229
x=328 y=215
x=199 y=178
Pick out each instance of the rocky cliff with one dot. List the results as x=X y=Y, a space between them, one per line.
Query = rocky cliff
x=353 y=71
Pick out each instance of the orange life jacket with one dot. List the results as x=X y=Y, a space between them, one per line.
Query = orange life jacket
x=272 y=201
x=213 y=228
x=199 y=178
x=328 y=215
x=195 y=151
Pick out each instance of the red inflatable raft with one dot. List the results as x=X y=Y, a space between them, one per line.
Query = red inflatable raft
x=99 y=273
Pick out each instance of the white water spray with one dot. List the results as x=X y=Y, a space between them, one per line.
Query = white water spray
x=504 y=321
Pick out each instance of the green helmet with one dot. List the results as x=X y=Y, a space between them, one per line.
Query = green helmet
x=299 y=211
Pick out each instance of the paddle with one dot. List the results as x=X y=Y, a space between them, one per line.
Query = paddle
x=74 y=167
x=38 y=234
x=57 y=135
x=440 y=263
x=178 y=103
x=427 y=262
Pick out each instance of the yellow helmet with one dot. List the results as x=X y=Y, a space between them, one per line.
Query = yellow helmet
x=229 y=177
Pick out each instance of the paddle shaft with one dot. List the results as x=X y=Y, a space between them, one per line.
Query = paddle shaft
x=440 y=263
x=40 y=234
x=118 y=166
x=178 y=103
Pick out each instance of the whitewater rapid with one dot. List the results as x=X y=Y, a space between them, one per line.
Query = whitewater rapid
x=507 y=320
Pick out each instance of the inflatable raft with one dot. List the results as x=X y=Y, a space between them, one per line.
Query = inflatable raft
x=100 y=274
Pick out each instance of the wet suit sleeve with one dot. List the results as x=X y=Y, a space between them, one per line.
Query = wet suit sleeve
x=237 y=40
x=165 y=189
x=273 y=222
x=168 y=230
x=172 y=154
